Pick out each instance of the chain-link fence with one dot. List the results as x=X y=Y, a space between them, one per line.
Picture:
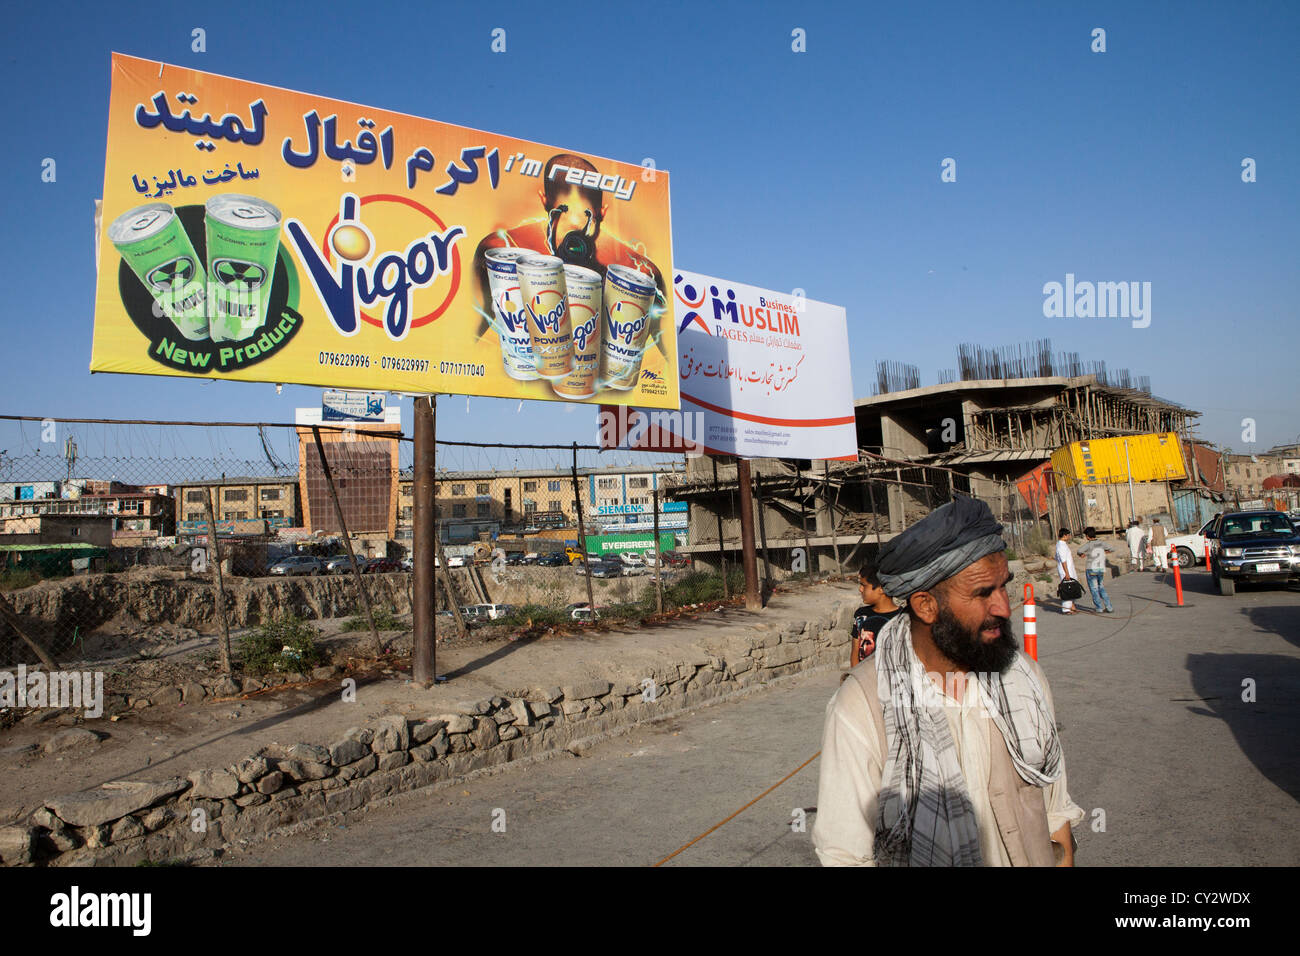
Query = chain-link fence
x=107 y=550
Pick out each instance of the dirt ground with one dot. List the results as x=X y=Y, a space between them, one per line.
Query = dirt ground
x=165 y=741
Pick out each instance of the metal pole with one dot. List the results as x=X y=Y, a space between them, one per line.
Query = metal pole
x=582 y=538
x=803 y=524
x=659 y=560
x=1132 y=503
x=347 y=541
x=221 y=584
x=753 y=600
x=424 y=654
x=830 y=513
x=762 y=534
x=722 y=545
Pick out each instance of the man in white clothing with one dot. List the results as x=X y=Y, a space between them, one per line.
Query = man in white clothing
x=1135 y=538
x=1065 y=565
x=941 y=749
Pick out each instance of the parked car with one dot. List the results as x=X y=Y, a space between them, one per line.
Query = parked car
x=553 y=560
x=584 y=614
x=475 y=613
x=381 y=566
x=1254 y=546
x=674 y=560
x=1191 y=547
x=631 y=559
x=296 y=564
x=456 y=561
x=606 y=569
x=339 y=564
x=531 y=557
x=515 y=559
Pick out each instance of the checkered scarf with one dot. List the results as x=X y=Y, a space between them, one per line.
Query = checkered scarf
x=926 y=817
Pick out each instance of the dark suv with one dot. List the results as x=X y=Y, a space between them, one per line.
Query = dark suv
x=1255 y=546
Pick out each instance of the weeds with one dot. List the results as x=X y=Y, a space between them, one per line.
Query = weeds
x=285 y=644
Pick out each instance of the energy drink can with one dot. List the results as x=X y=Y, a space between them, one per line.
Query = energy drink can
x=510 y=313
x=243 y=237
x=584 y=289
x=541 y=283
x=628 y=297
x=153 y=242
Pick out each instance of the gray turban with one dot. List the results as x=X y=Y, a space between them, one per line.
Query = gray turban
x=948 y=539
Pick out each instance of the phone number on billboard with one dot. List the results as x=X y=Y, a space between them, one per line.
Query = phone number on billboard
x=344 y=360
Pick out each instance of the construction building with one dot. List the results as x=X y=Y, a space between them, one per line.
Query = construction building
x=985 y=431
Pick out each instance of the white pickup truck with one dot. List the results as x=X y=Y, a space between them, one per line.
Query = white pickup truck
x=1190 y=547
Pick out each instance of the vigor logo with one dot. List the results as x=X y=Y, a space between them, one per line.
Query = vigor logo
x=364 y=277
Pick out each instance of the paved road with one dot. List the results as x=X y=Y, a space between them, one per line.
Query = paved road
x=1157 y=738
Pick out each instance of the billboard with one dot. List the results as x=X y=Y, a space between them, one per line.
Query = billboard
x=253 y=233
x=762 y=375
x=614 y=543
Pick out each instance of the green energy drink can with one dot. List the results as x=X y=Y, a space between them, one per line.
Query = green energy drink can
x=153 y=242
x=243 y=237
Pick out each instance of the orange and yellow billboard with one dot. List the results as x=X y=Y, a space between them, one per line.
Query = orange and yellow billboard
x=257 y=234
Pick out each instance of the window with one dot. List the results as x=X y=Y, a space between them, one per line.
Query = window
x=272 y=514
x=406 y=513
x=530 y=507
x=484 y=509
x=552 y=486
x=235 y=516
x=638 y=482
x=195 y=516
x=606 y=483
x=555 y=505
x=481 y=488
x=271 y=494
x=235 y=494
x=530 y=486
x=457 y=489
x=195 y=496
x=458 y=511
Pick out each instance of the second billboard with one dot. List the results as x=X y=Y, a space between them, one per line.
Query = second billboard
x=763 y=375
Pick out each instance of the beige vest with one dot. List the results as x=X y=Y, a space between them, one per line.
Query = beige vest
x=1019 y=808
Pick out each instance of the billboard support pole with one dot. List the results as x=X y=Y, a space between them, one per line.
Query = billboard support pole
x=424 y=663
x=830 y=509
x=753 y=601
x=722 y=545
x=659 y=558
x=221 y=584
x=762 y=534
x=582 y=537
x=347 y=541
x=803 y=525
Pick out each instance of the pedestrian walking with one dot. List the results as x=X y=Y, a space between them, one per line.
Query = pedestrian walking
x=1095 y=569
x=1064 y=565
x=1133 y=537
x=1159 y=545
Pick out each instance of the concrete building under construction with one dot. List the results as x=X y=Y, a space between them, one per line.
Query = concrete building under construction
x=982 y=434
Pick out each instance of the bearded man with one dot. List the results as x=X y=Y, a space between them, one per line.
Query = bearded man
x=941 y=749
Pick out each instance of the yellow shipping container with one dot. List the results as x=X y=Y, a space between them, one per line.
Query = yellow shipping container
x=1154 y=457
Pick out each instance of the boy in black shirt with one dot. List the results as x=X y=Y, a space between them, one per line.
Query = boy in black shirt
x=870 y=619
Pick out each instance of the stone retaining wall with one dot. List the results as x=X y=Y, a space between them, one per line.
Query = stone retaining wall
x=278 y=787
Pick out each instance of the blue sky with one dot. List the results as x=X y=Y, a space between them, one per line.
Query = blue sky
x=818 y=170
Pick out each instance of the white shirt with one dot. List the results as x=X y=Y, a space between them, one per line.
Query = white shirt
x=1134 y=536
x=852 y=763
x=1066 y=557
